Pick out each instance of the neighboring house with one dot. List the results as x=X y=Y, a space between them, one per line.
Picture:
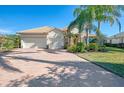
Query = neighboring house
x=116 y=39
x=43 y=37
x=83 y=34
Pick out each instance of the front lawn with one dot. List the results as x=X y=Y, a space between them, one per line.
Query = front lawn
x=112 y=60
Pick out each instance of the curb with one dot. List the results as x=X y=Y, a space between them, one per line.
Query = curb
x=102 y=67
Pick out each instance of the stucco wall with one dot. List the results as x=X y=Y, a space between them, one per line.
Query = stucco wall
x=55 y=39
x=115 y=40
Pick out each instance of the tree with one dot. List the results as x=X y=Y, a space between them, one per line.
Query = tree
x=83 y=22
x=10 y=42
x=86 y=15
x=104 y=13
x=88 y=28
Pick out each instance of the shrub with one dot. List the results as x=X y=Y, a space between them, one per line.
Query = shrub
x=120 y=45
x=72 y=48
x=76 y=48
x=107 y=44
x=8 y=44
x=65 y=46
x=93 y=47
x=102 y=48
x=80 y=47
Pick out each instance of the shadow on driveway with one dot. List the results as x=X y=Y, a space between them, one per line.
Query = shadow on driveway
x=64 y=74
x=5 y=64
x=69 y=74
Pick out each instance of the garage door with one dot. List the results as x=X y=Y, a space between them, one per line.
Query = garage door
x=33 y=42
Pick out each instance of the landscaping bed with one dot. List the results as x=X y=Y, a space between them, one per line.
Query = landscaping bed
x=112 y=60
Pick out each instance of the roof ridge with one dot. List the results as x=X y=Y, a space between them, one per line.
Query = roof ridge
x=44 y=29
x=117 y=34
x=38 y=28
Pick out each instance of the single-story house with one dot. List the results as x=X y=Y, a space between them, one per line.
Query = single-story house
x=43 y=37
x=116 y=39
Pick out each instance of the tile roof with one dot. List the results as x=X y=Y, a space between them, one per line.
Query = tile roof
x=119 y=35
x=40 y=30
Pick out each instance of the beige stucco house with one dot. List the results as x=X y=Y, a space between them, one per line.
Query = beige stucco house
x=116 y=39
x=43 y=37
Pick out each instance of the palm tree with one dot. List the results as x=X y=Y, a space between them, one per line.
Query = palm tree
x=105 y=13
x=88 y=28
x=85 y=15
x=83 y=22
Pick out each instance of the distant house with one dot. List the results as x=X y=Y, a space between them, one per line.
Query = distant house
x=83 y=34
x=116 y=39
x=43 y=37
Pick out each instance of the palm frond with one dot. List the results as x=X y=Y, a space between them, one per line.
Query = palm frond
x=77 y=12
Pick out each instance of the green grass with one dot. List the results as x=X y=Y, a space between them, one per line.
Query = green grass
x=112 y=60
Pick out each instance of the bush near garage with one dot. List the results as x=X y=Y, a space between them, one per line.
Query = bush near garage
x=93 y=47
x=79 y=47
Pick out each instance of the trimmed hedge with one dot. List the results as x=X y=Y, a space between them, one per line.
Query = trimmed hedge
x=120 y=45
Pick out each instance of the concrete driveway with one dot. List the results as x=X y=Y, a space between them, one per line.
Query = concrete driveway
x=45 y=68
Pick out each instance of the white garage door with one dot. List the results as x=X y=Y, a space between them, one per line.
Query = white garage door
x=33 y=42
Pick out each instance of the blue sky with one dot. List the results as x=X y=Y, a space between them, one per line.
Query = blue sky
x=17 y=18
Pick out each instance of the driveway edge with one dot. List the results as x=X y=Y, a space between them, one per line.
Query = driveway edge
x=102 y=67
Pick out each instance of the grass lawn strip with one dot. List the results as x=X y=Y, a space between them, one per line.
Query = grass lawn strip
x=113 y=60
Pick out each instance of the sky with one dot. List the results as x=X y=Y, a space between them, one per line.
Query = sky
x=17 y=18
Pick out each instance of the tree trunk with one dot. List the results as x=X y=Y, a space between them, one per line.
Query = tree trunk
x=69 y=38
x=98 y=32
x=69 y=41
x=80 y=40
x=87 y=37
